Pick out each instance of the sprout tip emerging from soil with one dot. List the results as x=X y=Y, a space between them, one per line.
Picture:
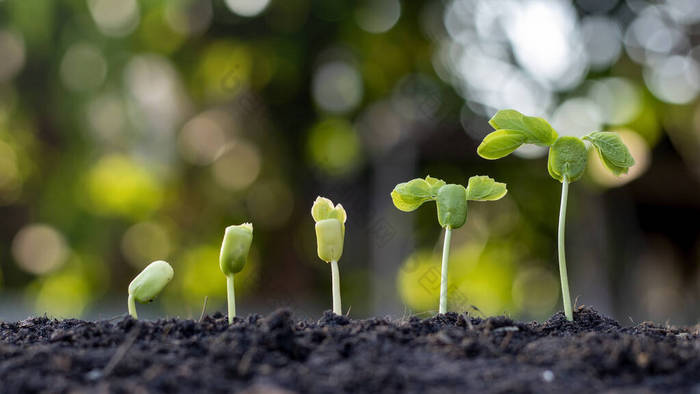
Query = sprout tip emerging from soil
x=234 y=254
x=330 y=235
x=451 y=201
x=148 y=284
x=566 y=163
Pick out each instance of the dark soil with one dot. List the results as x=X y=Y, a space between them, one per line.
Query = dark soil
x=277 y=354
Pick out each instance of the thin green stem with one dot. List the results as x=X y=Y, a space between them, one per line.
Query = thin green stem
x=231 y=295
x=443 y=276
x=132 y=307
x=335 y=281
x=562 y=254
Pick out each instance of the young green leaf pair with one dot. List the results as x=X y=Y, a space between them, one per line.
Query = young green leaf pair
x=451 y=201
x=566 y=163
x=567 y=155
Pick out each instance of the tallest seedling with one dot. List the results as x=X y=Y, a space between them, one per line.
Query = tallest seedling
x=451 y=201
x=567 y=162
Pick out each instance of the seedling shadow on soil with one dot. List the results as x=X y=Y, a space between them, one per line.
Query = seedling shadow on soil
x=277 y=354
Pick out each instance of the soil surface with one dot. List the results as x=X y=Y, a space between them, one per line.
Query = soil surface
x=278 y=354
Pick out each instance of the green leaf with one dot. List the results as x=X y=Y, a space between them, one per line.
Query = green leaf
x=567 y=159
x=338 y=213
x=536 y=130
x=321 y=209
x=484 y=188
x=435 y=184
x=452 y=206
x=612 y=151
x=408 y=196
x=500 y=143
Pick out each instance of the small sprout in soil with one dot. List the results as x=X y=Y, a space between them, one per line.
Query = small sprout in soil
x=234 y=254
x=330 y=235
x=451 y=201
x=148 y=284
x=566 y=163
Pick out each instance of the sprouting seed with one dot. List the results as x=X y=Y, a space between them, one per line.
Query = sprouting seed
x=148 y=284
x=330 y=235
x=451 y=201
x=234 y=254
x=566 y=163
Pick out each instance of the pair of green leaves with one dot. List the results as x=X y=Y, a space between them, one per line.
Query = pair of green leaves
x=451 y=200
x=567 y=155
x=324 y=209
x=514 y=129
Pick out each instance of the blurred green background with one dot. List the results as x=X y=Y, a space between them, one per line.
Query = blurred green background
x=136 y=130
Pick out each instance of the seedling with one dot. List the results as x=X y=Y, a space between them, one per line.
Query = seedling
x=148 y=284
x=330 y=235
x=451 y=201
x=566 y=163
x=234 y=254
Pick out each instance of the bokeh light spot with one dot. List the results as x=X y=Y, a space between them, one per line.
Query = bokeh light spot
x=479 y=275
x=419 y=281
x=9 y=173
x=535 y=291
x=238 y=166
x=157 y=34
x=115 y=18
x=39 y=249
x=675 y=79
x=63 y=295
x=201 y=140
x=618 y=99
x=378 y=16
x=11 y=53
x=337 y=87
x=199 y=276
x=334 y=146
x=106 y=117
x=603 y=39
x=154 y=83
x=381 y=127
x=145 y=242
x=189 y=17
x=577 y=117
x=83 y=67
x=247 y=8
x=546 y=42
x=224 y=70
x=116 y=185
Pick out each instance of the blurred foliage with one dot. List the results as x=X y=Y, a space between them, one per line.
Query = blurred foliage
x=138 y=130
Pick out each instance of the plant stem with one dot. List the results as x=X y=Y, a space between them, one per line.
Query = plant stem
x=335 y=281
x=562 y=255
x=231 y=296
x=132 y=307
x=443 y=276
